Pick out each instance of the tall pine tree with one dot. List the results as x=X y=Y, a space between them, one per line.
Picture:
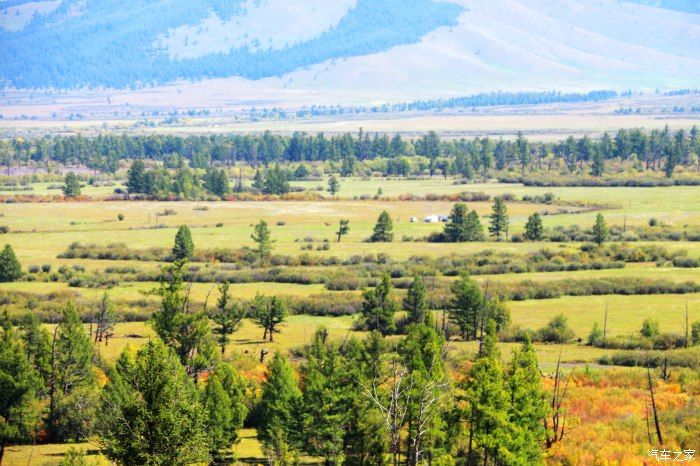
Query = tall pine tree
x=379 y=307
x=416 y=302
x=383 y=229
x=278 y=403
x=499 y=219
x=183 y=249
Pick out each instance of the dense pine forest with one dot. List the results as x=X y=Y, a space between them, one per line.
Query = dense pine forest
x=575 y=160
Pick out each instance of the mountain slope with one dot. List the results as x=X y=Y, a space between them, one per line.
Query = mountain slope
x=273 y=52
x=529 y=44
x=104 y=42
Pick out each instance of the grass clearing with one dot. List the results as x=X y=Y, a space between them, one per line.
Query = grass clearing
x=625 y=313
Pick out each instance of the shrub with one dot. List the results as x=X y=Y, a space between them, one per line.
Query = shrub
x=343 y=282
x=120 y=217
x=166 y=212
x=686 y=357
x=687 y=262
x=556 y=331
x=650 y=328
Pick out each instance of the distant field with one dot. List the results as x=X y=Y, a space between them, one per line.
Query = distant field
x=547 y=125
x=295 y=332
x=248 y=450
x=625 y=313
x=39 y=232
x=298 y=330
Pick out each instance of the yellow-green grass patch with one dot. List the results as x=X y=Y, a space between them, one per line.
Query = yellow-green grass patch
x=625 y=313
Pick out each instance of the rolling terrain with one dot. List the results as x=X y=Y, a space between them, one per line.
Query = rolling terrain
x=280 y=54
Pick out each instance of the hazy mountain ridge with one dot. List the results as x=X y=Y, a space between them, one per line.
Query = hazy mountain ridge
x=357 y=51
x=103 y=43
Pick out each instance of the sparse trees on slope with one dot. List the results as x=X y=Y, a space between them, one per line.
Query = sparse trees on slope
x=324 y=401
x=487 y=404
x=37 y=345
x=423 y=351
x=187 y=333
x=72 y=375
x=528 y=407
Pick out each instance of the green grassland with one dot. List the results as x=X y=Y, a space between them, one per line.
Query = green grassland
x=625 y=313
x=39 y=232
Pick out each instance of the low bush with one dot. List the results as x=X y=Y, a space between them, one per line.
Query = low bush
x=686 y=357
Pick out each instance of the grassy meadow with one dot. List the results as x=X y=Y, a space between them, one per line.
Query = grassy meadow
x=39 y=232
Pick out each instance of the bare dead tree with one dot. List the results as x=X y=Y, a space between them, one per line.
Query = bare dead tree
x=653 y=407
x=646 y=412
x=665 y=373
x=605 y=327
x=396 y=408
x=687 y=327
x=557 y=426
x=206 y=300
x=430 y=396
x=106 y=319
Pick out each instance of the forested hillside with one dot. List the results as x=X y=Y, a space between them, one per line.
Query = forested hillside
x=120 y=51
x=387 y=50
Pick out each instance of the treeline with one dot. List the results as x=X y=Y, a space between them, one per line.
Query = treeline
x=658 y=150
x=485 y=99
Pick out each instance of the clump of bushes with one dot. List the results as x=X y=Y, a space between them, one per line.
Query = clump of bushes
x=166 y=213
x=556 y=331
x=343 y=281
x=685 y=357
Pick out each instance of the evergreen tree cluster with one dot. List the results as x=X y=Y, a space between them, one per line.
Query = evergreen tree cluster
x=658 y=150
x=177 y=401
